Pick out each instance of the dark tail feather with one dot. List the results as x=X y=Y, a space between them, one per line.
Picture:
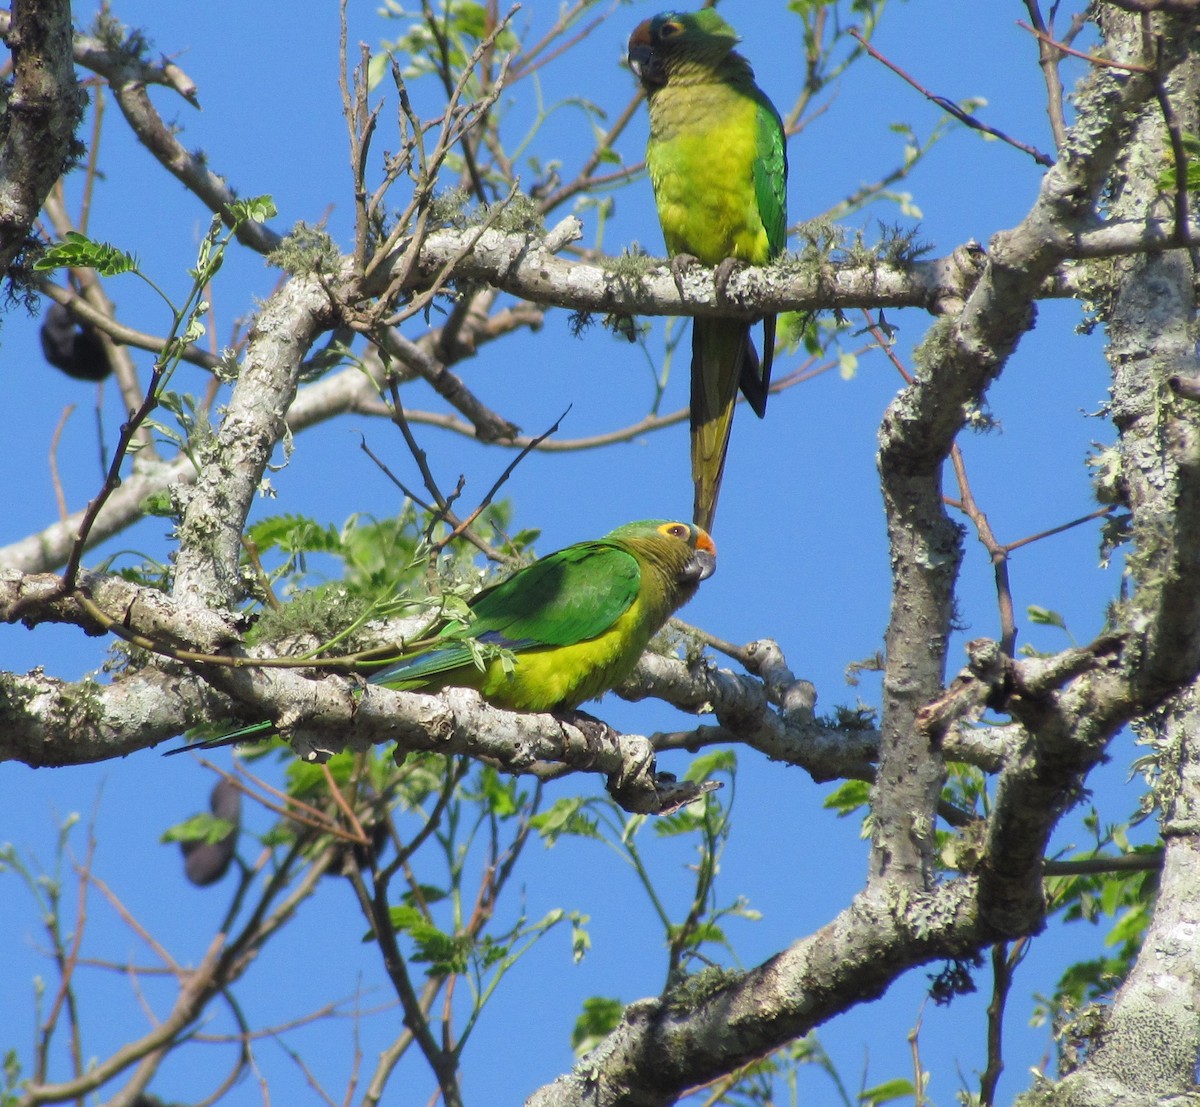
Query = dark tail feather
x=755 y=377
x=252 y=733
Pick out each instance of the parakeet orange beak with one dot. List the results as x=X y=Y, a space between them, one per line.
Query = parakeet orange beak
x=704 y=561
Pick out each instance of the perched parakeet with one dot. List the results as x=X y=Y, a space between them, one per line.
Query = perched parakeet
x=718 y=162
x=575 y=622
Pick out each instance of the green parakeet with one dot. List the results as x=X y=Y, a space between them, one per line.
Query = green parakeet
x=718 y=162
x=575 y=622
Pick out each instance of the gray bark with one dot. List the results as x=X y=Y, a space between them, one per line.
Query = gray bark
x=1147 y=1050
x=39 y=120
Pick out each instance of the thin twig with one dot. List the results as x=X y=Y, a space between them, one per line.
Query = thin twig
x=584 y=180
x=1049 y=55
x=55 y=479
x=1002 y=975
x=500 y=481
x=1094 y=59
x=914 y=1044
x=419 y=455
x=93 y=154
x=952 y=108
x=112 y=480
x=1099 y=513
x=996 y=552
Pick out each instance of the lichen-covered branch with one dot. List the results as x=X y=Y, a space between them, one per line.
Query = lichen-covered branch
x=40 y=116
x=958 y=360
x=1146 y=1050
x=255 y=420
x=715 y=1022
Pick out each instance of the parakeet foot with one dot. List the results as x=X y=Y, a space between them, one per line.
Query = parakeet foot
x=679 y=263
x=721 y=276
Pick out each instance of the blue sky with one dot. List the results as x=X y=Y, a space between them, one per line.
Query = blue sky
x=800 y=534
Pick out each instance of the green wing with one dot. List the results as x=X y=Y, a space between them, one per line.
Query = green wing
x=770 y=193
x=567 y=597
x=770 y=175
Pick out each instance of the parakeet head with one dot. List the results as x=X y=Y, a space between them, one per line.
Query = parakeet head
x=661 y=45
x=702 y=560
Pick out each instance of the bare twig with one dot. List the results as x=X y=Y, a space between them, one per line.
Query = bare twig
x=1049 y=54
x=952 y=108
x=500 y=481
x=1094 y=59
x=996 y=552
x=59 y=495
x=1099 y=513
x=1004 y=959
x=488 y=425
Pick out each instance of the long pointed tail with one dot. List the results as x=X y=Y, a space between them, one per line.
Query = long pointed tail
x=252 y=733
x=722 y=354
x=755 y=379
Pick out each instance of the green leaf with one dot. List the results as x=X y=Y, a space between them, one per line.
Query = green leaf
x=683 y=821
x=306 y=779
x=158 y=503
x=12 y=1074
x=489 y=953
x=567 y=816
x=707 y=765
x=294 y=534
x=848 y=798
x=1168 y=180
x=424 y=893
x=77 y=251
x=1043 y=616
x=379 y=64
x=499 y=795
x=446 y=954
x=697 y=934
x=404 y=917
x=599 y=1018
x=581 y=940
x=1130 y=927
x=886 y=1092
x=199 y=828
x=257 y=209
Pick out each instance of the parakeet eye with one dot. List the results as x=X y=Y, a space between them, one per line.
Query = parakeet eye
x=670 y=30
x=677 y=530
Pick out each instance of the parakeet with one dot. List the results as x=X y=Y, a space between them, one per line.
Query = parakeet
x=575 y=622
x=717 y=158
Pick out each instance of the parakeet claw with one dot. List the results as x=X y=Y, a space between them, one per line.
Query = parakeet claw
x=721 y=276
x=679 y=263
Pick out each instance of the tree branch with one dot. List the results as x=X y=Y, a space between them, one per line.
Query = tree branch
x=41 y=114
